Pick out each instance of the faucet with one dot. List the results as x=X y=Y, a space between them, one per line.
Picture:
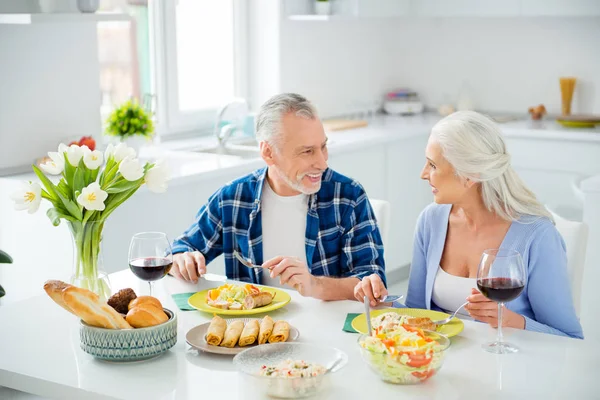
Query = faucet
x=234 y=112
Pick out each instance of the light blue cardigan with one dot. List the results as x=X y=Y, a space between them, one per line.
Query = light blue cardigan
x=546 y=301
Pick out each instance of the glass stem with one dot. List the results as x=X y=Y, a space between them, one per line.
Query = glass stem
x=499 y=323
x=150 y=287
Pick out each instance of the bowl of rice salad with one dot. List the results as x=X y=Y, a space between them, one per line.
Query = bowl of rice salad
x=402 y=354
x=288 y=370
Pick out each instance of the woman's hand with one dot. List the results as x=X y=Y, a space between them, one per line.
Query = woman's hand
x=485 y=310
x=371 y=286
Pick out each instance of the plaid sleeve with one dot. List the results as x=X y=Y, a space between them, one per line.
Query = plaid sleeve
x=362 y=251
x=205 y=234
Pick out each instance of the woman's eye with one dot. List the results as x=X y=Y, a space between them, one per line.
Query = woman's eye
x=432 y=165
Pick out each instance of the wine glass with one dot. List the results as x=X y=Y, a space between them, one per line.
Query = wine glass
x=150 y=257
x=501 y=278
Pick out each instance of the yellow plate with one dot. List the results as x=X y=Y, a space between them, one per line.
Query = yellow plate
x=578 y=124
x=450 y=329
x=198 y=301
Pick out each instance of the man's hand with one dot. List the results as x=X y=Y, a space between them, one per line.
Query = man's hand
x=188 y=266
x=371 y=286
x=485 y=310
x=294 y=273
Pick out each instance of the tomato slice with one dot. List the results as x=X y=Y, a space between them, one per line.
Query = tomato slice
x=424 y=375
x=417 y=360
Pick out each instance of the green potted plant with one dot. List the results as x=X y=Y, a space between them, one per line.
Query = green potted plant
x=131 y=124
x=4 y=259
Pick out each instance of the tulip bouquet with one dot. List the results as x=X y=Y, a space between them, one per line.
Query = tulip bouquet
x=92 y=186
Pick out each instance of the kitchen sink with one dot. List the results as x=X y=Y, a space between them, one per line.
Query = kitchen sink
x=231 y=150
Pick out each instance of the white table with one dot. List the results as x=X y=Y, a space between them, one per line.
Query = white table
x=40 y=354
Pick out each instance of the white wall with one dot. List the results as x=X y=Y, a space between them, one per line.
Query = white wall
x=49 y=80
x=510 y=63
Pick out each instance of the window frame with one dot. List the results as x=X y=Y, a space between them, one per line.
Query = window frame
x=170 y=120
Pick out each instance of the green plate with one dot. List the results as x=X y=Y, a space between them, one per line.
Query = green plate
x=450 y=329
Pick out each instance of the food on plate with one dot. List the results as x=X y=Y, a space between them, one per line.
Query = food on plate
x=232 y=334
x=292 y=369
x=238 y=297
x=247 y=332
x=120 y=300
x=255 y=300
x=388 y=321
x=281 y=332
x=216 y=331
x=401 y=353
x=421 y=322
x=146 y=314
x=142 y=312
x=266 y=328
x=250 y=333
x=144 y=299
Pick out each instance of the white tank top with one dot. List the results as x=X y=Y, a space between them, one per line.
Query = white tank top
x=451 y=291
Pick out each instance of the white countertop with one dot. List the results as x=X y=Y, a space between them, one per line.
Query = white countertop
x=40 y=354
x=190 y=166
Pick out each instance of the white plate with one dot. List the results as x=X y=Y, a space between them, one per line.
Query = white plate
x=196 y=337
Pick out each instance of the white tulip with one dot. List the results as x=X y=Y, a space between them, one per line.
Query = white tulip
x=122 y=151
x=92 y=159
x=92 y=197
x=28 y=197
x=74 y=154
x=62 y=148
x=131 y=169
x=156 y=178
x=110 y=150
x=55 y=165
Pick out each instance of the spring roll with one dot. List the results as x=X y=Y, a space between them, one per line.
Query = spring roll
x=281 y=332
x=266 y=328
x=250 y=333
x=216 y=331
x=232 y=334
x=257 y=300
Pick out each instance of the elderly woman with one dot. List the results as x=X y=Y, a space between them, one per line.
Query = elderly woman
x=481 y=203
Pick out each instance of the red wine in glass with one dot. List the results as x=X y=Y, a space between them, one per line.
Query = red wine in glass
x=150 y=257
x=500 y=290
x=501 y=278
x=150 y=268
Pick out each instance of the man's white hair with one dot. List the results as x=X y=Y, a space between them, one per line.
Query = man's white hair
x=268 y=120
x=473 y=144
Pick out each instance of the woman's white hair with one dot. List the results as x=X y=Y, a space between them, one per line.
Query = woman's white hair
x=268 y=120
x=473 y=144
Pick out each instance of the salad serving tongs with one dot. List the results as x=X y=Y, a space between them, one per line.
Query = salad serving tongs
x=368 y=315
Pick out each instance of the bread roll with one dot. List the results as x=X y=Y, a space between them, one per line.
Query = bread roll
x=88 y=306
x=145 y=299
x=145 y=315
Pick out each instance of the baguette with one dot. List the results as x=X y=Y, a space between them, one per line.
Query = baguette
x=88 y=306
x=54 y=289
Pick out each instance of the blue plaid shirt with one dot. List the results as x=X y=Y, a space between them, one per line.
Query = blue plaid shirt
x=342 y=236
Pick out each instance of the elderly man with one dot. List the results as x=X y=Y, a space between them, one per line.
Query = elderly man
x=306 y=225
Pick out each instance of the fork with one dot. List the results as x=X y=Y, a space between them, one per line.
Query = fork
x=445 y=321
x=245 y=262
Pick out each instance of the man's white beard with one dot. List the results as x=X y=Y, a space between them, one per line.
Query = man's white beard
x=298 y=186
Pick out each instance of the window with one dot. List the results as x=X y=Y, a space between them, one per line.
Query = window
x=199 y=48
x=124 y=56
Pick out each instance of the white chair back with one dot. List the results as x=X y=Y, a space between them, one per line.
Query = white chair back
x=382 y=210
x=575 y=235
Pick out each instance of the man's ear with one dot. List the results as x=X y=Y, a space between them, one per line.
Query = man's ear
x=266 y=152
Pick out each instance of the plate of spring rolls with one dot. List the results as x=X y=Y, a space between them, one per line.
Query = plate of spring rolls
x=232 y=336
x=239 y=299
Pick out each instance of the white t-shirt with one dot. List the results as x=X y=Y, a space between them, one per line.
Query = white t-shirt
x=283 y=227
x=451 y=291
